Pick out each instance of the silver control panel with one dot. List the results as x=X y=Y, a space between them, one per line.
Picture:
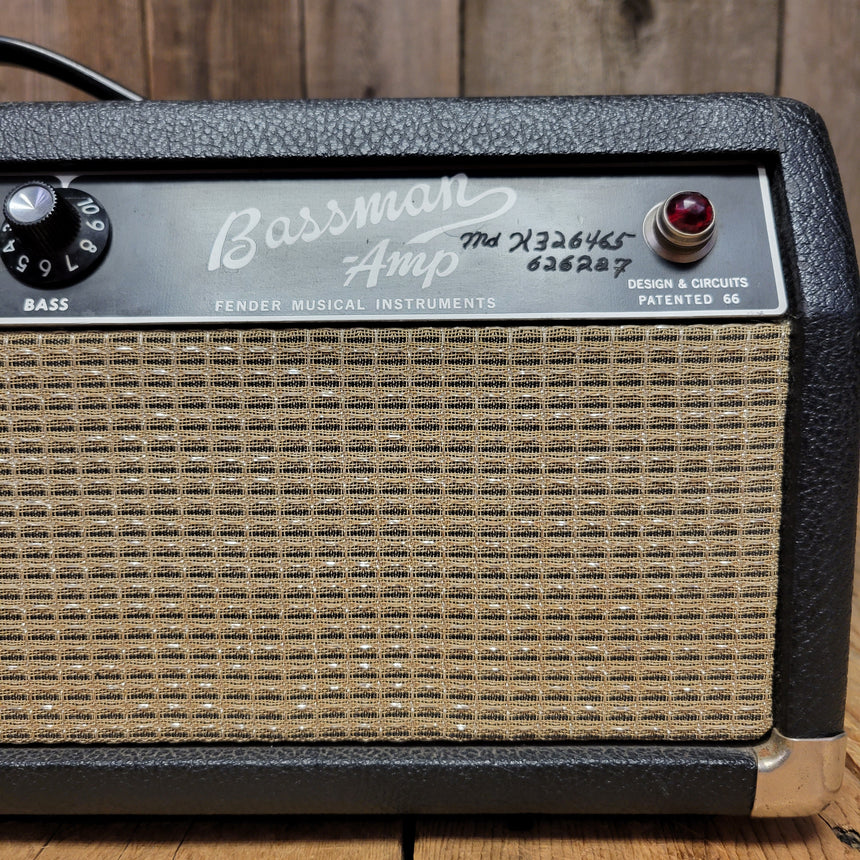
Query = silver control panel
x=451 y=246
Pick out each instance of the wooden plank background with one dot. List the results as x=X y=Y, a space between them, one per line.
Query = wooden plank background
x=190 y=49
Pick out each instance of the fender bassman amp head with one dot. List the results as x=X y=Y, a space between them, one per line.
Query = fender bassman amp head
x=424 y=456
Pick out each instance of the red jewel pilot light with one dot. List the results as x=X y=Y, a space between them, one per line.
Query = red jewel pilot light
x=689 y=212
x=683 y=228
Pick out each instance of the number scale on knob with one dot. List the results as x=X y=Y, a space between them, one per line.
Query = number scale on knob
x=52 y=237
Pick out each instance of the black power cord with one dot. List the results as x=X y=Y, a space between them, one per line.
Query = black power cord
x=14 y=52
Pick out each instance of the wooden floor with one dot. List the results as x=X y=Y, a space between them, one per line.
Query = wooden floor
x=835 y=833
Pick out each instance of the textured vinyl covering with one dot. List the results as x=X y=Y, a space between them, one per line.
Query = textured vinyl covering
x=497 y=533
x=371 y=779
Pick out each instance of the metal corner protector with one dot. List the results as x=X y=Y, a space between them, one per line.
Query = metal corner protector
x=797 y=776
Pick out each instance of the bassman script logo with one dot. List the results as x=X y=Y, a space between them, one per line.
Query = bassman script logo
x=244 y=233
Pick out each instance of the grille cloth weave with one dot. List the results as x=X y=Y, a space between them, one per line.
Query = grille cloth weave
x=500 y=533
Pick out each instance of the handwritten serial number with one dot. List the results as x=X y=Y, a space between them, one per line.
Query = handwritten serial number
x=532 y=241
x=583 y=263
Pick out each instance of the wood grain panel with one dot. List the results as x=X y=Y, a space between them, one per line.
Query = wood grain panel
x=821 y=66
x=247 y=838
x=101 y=839
x=842 y=815
x=852 y=715
x=25 y=838
x=643 y=838
x=224 y=49
x=106 y=35
x=365 y=48
x=558 y=47
x=292 y=839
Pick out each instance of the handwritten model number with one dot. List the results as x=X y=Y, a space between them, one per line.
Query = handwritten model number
x=531 y=241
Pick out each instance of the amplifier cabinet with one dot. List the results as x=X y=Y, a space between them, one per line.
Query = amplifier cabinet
x=424 y=457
